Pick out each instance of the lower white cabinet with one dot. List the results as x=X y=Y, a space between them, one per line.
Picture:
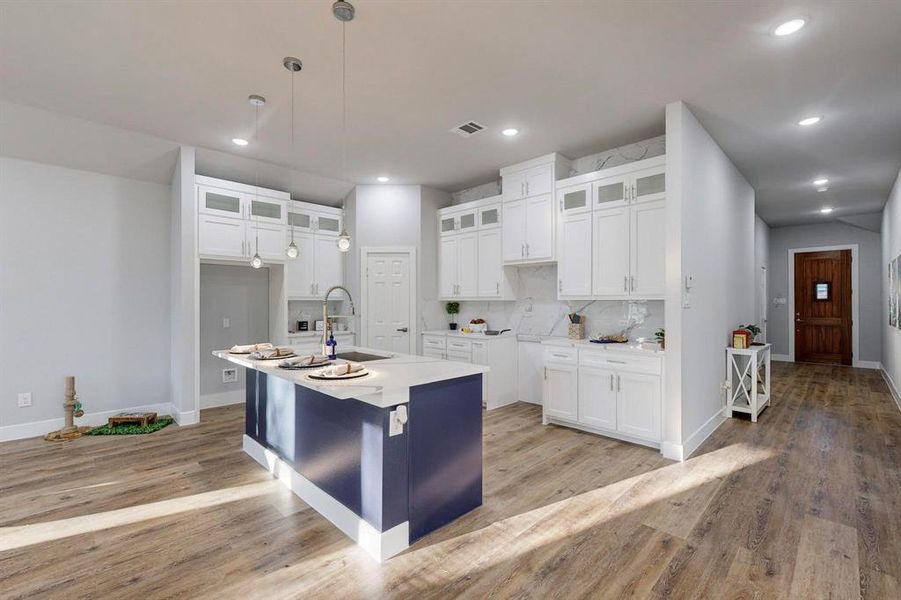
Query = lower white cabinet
x=496 y=352
x=597 y=397
x=604 y=391
x=560 y=391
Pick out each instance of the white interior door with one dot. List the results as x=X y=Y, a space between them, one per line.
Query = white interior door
x=388 y=309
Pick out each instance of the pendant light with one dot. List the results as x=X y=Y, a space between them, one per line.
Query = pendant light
x=294 y=66
x=256 y=102
x=344 y=12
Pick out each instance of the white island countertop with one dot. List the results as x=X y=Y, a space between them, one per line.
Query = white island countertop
x=388 y=383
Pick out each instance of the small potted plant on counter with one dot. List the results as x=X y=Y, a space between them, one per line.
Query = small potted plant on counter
x=755 y=331
x=660 y=336
x=452 y=309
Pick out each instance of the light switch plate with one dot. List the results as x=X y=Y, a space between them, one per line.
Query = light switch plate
x=24 y=399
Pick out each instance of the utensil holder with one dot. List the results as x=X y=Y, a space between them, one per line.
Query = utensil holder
x=577 y=331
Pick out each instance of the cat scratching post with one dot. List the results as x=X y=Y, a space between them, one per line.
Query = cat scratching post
x=73 y=409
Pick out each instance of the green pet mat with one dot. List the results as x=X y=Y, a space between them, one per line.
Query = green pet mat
x=131 y=429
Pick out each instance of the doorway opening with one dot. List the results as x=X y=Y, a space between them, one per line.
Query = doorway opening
x=823 y=307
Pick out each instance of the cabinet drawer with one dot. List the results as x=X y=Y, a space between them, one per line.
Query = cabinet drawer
x=633 y=364
x=560 y=355
x=458 y=346
x=458 y=355
x=435 y=342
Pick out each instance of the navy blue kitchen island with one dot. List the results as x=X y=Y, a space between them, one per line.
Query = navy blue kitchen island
x=387 y=458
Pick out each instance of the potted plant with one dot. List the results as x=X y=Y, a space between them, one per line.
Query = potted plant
x=452 y=309
x=755 y=331
x=660 y=336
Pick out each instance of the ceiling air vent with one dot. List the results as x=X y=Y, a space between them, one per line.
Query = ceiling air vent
x=468 y=129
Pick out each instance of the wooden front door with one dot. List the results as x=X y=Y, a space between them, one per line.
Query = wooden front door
x=823 y=307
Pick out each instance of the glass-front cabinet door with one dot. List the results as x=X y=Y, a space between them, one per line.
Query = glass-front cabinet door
x=649 y=185
x=328 y=224
x=610 y=192
x=468 y=220
x=575 y=199
x=221 y=203
x=268 y=210
x=447 y=224
x=490 y=217
x=300 y=221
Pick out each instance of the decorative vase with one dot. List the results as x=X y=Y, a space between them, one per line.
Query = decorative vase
x=453 y=326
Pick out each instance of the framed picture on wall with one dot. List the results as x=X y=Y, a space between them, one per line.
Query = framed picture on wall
x=896 y=290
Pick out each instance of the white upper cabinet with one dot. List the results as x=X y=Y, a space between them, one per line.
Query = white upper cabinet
x=328 y=224
x=540 y=232
x=221 y=237
x=267 y=210
x=305 y=218
x=514 y=231
x=271 y=241
x=610 y=249
x=648 y=249
x=490 y=217
x=574 y=199
x=468 y=265
x=299 y=277
x=328 y=269
x=574 y=256
x=470 y=259
x=627 y=253
x=221 y=203
x=530 y=222
x=491 y=264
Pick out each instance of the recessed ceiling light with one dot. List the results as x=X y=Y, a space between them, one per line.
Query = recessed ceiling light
x=820 y=181
x=823 y=189
x=239 y=141
x=510 y=131
x=808 y=121
x=383 y=179
x=826 y=210
x=789 y=27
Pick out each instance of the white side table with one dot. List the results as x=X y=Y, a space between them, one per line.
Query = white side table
x=747 y=371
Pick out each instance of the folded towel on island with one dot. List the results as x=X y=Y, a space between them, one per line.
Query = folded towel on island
x=340 y=370
x=301 y=361
x=248 y=348
x=271 y=353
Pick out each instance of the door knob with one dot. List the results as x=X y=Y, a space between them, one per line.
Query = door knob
x=402 y=330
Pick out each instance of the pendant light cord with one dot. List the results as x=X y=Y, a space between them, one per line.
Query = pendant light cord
x=256 y=173
x=343 y=99
x=291 y=198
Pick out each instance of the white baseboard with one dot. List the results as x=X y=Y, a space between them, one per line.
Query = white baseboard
x=892 y=388
x=185 y=417
x=381 y=545
x=781 y=358
x=39 y=428
x=702 y=433
x=222 y=398
x=672 y=451
x=867 y=364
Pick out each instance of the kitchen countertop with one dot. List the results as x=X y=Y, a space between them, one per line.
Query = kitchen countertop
x=651 y=349
x=460 y=334
x=314 y=334
x=388 y=383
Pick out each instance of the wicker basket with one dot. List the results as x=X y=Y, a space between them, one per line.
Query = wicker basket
x=577 y=331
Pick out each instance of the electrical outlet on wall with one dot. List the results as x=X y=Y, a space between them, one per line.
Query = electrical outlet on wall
x=24 y=399
x=226 y=323
x=230 y=375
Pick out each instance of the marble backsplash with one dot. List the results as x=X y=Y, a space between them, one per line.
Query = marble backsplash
x=621 y=155
x=537 y=310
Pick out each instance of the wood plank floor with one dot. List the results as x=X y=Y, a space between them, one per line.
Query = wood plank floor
x=804 y=504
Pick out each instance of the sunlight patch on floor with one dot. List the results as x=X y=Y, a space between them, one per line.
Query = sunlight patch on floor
x=37 y=533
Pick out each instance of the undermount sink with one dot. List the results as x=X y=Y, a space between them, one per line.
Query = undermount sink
x=359 y=356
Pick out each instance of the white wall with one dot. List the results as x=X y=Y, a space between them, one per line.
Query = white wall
x=761 y=272
x=239 y=293
x=184 y=385
x=711 y=205
x=869 y=290
x=84 y=290
x=891 y=247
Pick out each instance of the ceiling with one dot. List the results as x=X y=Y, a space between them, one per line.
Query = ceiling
x=574 y=77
